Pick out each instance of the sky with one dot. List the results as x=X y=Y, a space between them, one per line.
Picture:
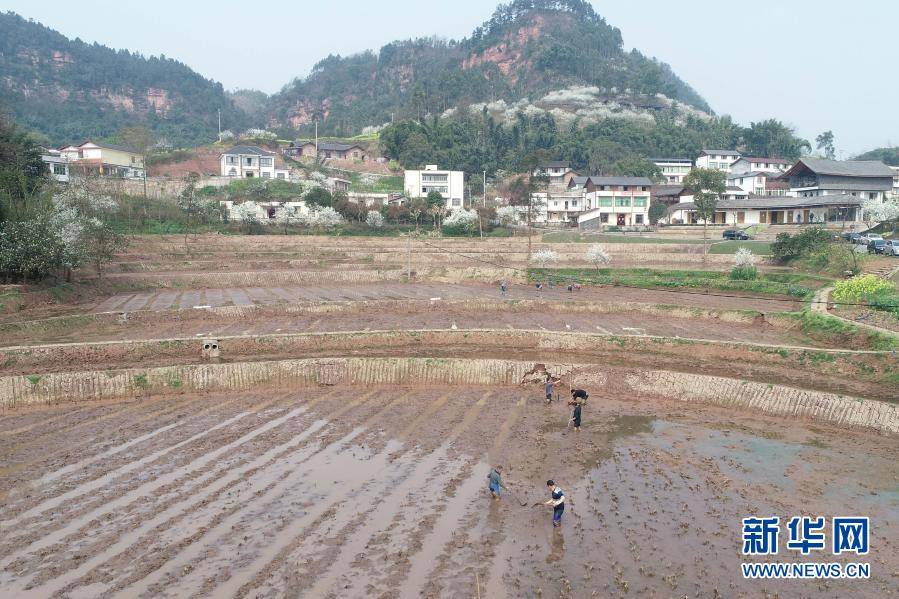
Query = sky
x=814 y=64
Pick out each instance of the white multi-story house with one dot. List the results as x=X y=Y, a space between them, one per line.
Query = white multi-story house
x=57 y=166
x=558 y=172
x=246 y=162
x=449 y=184
x=613 y=201
x=750 y=164
x=101 y=159
x=673 y=169
x=866 y=179
x=722 y=160
x=562 y=207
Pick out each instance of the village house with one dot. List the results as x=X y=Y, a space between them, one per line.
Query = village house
x=827 y=209
x=246 y=162
x=326 y=149
x=95 y=159
x=613 y=201
x=759 y=183
x=673 y=169
x=722 y=160
x=449 y=184
x=559 y=173
x=561 y=207
x=866 y=179
x=57 y=166
x=749 y=164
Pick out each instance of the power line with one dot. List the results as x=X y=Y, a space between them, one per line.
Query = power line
x=597 y=283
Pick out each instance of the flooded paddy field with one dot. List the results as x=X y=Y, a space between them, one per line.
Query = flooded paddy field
x=381 y=492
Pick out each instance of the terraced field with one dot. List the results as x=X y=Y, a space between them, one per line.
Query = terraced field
x=336 y=442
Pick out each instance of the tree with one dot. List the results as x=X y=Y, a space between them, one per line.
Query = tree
x=435 y=206
x=825 y=142
x=141 y=140
x=101 y=244
x=707 y=185
x=319 y=196
x=543 y=257
x=881 y=211
x=22 y=172
x=598 y=256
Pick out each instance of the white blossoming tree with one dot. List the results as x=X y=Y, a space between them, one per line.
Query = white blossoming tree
x=507 y=215
x=461 y=222
x=879 y=211
x=325 y=217
x=543 y=258
x=744 y=265
x=598 y=256
x=374 y=219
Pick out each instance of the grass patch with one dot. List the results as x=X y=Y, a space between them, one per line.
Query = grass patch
x=141 y=381
x=34 y=379
x=649 y=278
x=822 y=327
x=759 y=248
x=570 y=237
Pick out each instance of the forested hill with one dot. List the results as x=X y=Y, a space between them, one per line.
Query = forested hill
x=887 y=155
x=70 y=90
x=529 y=48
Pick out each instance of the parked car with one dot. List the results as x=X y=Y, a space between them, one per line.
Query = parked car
x=867 y=238
x=847 y=235
x=877 y=246
x=892 y=247
x=854 y=238
x=735 y=234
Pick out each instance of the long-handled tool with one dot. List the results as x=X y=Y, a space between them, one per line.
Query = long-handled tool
x=515 y=497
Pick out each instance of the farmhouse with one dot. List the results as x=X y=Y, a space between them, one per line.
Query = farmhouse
x=326 y=149
x=722 y=160
x=97 y=159
x=613 y=201
x=779 y=210
x=867 y=179
x=449 y=184
x=558 y=172
x=247 y=162
x=673 y=169
x=748 y=164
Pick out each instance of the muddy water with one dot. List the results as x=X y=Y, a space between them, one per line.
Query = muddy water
x=382 y=493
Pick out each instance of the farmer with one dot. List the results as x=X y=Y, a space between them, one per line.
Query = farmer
x=579 y=396
x=557 y=501
x=496 y=481
x=549 y=387
x=576 y=415
x=502 y=288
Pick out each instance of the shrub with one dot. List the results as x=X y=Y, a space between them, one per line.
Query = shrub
x=744 y=273
x=506 y=215
x=788 y=247
x=861 y=288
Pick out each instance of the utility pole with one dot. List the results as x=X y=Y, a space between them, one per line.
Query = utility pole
x=409 y=258
x=316 y=140
x=220 y=125
x=485 y=189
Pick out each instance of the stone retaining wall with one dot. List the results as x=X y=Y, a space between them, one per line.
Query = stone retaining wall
x=17 y=391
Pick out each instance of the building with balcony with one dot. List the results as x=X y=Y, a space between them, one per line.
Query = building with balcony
x=722 y=160
x=98 y=159
x=866 y=179
x=558 y=172
x=613 y=201
x=750 y=164
x=673 y=169
x=247 y=162
x=449 y=184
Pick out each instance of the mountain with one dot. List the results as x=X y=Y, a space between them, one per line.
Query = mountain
x=888 y=156
x=528 y=50
x=70 y=90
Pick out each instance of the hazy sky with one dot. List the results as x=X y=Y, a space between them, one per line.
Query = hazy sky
x=815 y=64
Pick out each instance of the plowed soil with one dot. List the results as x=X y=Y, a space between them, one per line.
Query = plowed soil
x=381 y=492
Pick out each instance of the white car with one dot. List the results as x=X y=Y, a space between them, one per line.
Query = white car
x=867 y=238
x=891 y=248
